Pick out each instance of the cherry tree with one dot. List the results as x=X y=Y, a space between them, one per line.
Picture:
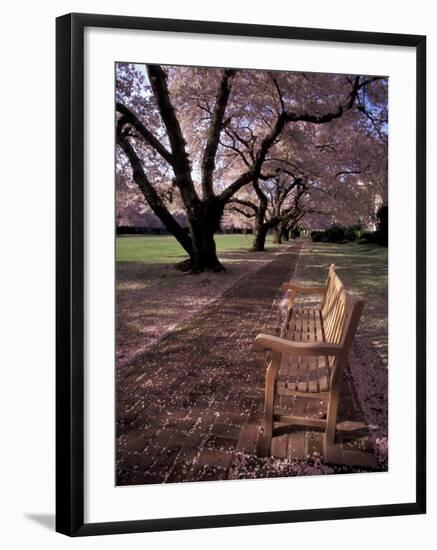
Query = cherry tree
x=275 y=204
x=204 y=135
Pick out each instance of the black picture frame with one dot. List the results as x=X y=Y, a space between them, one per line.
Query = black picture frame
x=70 y=273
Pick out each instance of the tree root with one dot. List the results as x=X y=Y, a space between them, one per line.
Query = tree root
x=192 y=268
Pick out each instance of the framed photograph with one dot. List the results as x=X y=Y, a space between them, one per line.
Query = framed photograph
x=240 y=322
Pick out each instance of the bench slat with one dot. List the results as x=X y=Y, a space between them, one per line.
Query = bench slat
x=301 y=374
x=309 y=374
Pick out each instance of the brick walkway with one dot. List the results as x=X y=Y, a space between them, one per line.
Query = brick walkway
x=196 y=397
x=189 y=406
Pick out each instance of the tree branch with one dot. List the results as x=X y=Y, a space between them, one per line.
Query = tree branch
x=235 y=137
x=235 y=186
x=279 y=94
x=152 y=197
x=213 y=137
x=131 y=118
x=266 y=177
x=244 y=203
x=346 y=172
x=267 y=143
x=328 y=117
x=245 y=214
x=234 y=148
x=254 y=172
x=181 y=163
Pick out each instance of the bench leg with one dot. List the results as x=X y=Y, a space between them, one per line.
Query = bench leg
x=331 y=424
x=272 y=371
x=291 y=299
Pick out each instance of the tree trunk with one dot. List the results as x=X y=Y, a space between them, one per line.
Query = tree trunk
x=204 y=255
x=261 y=229
x=277 y=238
x=260 y=238
x=204 y=222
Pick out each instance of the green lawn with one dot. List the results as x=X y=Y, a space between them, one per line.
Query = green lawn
x=166 y=249
x=364 y=272
x=362 y=267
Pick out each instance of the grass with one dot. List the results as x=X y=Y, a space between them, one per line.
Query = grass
x=364 y=272
x=363 y=267
x=166 y=249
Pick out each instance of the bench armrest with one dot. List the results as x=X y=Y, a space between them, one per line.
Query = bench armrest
x=303 y=289
x=275 y=343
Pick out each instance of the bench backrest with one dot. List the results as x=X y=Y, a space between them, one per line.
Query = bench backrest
x=340 y=313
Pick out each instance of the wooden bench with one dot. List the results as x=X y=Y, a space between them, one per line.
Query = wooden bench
x=309 y=356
